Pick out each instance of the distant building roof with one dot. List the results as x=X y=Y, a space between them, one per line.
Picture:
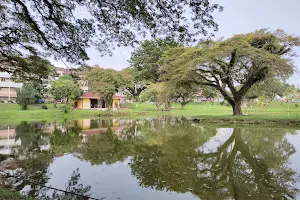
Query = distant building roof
x=118 y=97
x=92 y=95
x=62 y=70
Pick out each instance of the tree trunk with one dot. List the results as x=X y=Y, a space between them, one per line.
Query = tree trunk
x=183 y=104
x=167 y=105
x=108 y=103
x=157 y=106
x=237 y=108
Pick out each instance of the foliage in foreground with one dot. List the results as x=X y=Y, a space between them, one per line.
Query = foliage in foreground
x=54 y=28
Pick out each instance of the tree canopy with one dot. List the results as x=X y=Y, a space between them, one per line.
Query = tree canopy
x=155 y=92
x=270 y=88
x=234 y=65
x=145 y=59
x=65 y=88
x=27 y=95
x=133 y=86
x=58 y=28
x=31 y=69
x=105 y=82
x=183 y=94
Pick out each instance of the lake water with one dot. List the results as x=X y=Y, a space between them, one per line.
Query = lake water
x=161 y=158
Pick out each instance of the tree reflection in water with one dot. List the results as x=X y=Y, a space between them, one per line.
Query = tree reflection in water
x=250 y=164
x=170 y=154
x=32 y=139
x=33 y=162
x=74 y=186
x=107 y=147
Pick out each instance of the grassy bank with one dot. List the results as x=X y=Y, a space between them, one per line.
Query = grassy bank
x=8 y=194
x=248 y=120
x=12 y=114
x=207 y=112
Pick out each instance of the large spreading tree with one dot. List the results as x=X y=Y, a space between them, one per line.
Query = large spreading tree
x=235 y=65
x=64 y=29
x=133 y=85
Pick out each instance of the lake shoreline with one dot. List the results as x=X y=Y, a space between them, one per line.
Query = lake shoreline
x=246 y=120
x=98 y=153
x=48 y=117
x=11 y=114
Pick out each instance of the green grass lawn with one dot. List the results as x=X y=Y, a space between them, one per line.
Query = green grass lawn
x=275 y=109
x=12 y=113
x=7 y=194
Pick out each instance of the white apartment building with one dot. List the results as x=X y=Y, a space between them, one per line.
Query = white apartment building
x=8 y=88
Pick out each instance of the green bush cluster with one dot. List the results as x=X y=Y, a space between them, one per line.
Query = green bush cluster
x=44 y=107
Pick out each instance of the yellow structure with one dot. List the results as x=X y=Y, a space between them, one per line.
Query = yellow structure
x=116 y=102
x=91 y=101
x=84 y=124
x=84 y=103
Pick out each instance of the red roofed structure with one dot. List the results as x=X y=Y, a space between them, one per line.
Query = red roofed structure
x=89 y=95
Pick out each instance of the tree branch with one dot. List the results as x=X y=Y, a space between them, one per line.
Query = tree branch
x=251 y=80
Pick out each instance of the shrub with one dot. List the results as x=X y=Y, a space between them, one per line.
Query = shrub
x=44 y=107
x=296 y=105
x=26 y=96
x=66 y=108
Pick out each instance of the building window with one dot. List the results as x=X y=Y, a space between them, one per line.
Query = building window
x=4 y=89
x=2 y=79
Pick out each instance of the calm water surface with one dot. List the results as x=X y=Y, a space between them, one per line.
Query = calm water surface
x=162 y=158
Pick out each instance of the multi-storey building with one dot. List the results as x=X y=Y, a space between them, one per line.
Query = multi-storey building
x=64 y=71
x=8 y=88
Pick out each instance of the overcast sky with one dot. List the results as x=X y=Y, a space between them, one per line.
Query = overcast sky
x=239 y=16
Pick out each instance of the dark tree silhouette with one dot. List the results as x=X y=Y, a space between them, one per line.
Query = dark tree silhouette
x=66 y=28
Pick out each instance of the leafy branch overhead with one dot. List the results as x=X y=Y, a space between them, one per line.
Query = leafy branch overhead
x=65 y=29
